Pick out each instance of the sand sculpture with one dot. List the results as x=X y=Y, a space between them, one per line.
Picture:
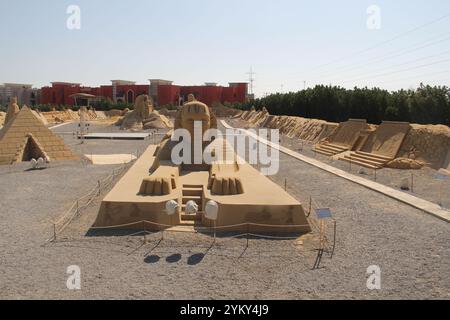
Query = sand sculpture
x=239 y=191
x=294 y=127
x=349 y=135
x=143 y=116
x=13 y=110
x=427 y=144
x=26 y=137
x=381 y=147
x=2 y=118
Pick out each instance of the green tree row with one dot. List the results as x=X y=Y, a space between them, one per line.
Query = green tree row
x=425 y=105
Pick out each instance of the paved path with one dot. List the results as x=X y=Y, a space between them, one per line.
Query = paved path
x=61 y=124
x=426 y=206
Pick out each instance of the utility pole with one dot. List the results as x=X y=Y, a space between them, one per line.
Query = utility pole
x=251 y=80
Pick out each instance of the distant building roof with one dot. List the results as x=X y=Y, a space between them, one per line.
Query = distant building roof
x=22 y=85
x=66 y=83
x=160 y=81
x=123 y=82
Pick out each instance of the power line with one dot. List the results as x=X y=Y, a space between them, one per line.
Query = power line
x=399 y=71
x=383 y=42
x=392 y=54
x=415 y=76
x=412 y=61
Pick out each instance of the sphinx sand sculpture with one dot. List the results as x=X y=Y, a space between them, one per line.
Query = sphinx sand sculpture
x=242 y=194
x=143 y=116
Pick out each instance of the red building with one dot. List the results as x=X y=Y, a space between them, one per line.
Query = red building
x=210 y=93
x=163 y=92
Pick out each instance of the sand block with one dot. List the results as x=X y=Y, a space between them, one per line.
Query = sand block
x=387 y=139
x=345 y=137
x=347 y=133
x=104 y=159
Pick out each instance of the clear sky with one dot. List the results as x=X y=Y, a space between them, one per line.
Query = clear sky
x=286 y=42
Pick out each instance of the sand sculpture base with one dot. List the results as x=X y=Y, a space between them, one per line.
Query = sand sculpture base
x=263 y=202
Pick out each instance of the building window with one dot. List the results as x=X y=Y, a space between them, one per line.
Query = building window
x=130 y=96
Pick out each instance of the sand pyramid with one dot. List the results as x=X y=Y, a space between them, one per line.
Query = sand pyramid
x=26 y=137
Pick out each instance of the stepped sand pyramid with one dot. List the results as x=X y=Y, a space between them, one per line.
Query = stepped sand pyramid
x=25 y=137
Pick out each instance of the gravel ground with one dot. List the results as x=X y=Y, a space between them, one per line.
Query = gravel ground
x=411 y=248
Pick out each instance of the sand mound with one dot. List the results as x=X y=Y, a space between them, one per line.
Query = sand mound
x=115 y=113
x=404 y=163
x=143 y=116
x=70 y=115
x=101 y=115
x=428 y=143
x=224 y=112
x=294 y=127
x=156 y=121
x=61 y=116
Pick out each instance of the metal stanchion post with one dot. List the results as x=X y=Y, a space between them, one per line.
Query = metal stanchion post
x=310 y=205
x=248 y=233
x=145 y=232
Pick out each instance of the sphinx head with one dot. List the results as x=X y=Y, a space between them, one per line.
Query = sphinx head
x=194 y=111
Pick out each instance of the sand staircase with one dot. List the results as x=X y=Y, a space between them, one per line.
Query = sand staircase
x=366 y=159
x=329 y=149
x=195 y=193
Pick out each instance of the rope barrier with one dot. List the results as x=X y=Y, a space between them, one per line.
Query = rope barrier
x=271 y=237
x=75 y=209
x=202 y=228
x=106 y=182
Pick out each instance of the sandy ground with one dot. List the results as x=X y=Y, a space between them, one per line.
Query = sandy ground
x=110 y=158
x=411 y=248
